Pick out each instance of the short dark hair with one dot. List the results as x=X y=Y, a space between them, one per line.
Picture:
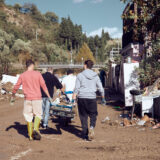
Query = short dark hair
x=70 y=72
x=89 y=64
x=29 y=62
x=50 y=69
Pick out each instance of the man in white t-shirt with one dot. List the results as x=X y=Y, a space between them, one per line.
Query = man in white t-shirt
x=68 y=83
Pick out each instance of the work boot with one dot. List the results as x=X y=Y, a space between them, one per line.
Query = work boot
x=91 y=133
x=30 y=130
x=36 y=133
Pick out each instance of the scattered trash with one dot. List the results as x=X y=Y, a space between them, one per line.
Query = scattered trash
x=110 y=122
x=114 y=123
x=117 y=107
x=145 y=118
x=141 y=122
x=55 y=102
x=126 y=122
x=106 y=119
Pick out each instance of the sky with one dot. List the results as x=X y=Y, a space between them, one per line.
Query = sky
x=93 y=15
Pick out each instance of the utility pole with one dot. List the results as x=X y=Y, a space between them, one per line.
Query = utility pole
x=36 y=35
x=71 y=57
x=96 y=53
x=82 y=60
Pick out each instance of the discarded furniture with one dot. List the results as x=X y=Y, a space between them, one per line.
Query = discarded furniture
x=147 y=102
x=128 y=81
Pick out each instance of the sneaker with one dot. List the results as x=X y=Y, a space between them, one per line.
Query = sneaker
x=91 y=133
x=86 y=138
x=41 y=124
x=45 y=127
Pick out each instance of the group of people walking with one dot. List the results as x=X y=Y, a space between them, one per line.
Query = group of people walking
x=39 y=91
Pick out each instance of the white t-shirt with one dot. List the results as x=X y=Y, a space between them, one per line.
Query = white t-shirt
x=69 y=82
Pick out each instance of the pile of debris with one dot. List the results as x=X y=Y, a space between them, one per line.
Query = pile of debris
x=126 y=122
x=6 y=88
x=144 y=121
x=5 y=91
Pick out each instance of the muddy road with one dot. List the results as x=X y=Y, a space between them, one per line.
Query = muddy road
x=64 y=143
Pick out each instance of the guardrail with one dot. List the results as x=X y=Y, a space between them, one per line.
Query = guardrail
x=60 y=65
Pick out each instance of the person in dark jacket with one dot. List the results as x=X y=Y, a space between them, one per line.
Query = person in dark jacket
x=51 y=82
x=102 y=77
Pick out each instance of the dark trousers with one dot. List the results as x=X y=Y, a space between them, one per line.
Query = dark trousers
x=87 y=108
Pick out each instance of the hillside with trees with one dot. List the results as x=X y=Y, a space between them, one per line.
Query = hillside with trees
x=27 y=33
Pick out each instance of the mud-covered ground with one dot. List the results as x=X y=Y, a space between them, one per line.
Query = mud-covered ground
x=64 y=143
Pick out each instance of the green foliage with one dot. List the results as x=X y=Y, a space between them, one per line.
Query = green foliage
x=21 y=47
x=71 y=37
x=17 y=7
x=97 y=45
x=55 y=54
x=84 y=54
x=2 y=2
x=52 y=17
x=3 y=16
x=6 y=57
x=66 y=32
x=7 y=39
x=150 y=68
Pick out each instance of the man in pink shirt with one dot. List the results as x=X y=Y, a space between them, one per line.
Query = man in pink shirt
x=32 y=82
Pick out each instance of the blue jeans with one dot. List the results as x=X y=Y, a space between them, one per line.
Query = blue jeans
x=45 y=109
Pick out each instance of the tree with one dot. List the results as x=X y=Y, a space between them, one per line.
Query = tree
x=152 y=65
x=3 y=16
x=66 y=32
x=22 y=50
x=52 y=17
x=37 y=53
x=84 y=38
x=54 y=53
x=70 y=35
x=34 y=10
x=6 y=57
x=2 y=2
x=17 y=7
x=91 y=45
x=84 y=54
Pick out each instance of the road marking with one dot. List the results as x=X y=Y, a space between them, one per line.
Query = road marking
x=52 y=138
x=93 y=141
x=20 y=155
